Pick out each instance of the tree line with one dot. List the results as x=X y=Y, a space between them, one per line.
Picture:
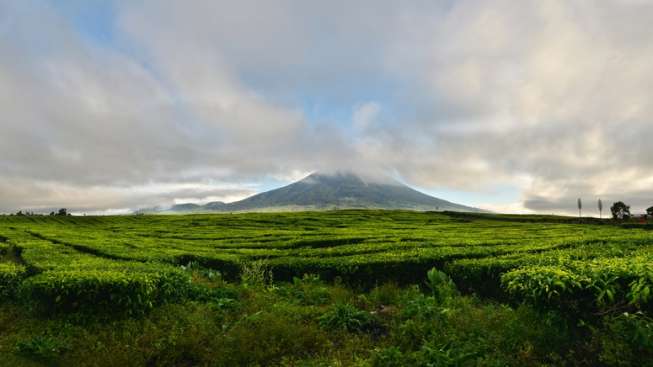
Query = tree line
x=61 y=212
x=618 y=209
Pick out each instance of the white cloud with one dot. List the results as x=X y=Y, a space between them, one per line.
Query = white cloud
x=465 y=95
x=365 y=114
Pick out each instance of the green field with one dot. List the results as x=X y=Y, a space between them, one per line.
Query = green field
x=325 y=288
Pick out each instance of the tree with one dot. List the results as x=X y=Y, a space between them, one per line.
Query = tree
x=600 y=209
x=649 y=211
x=62 y=212
x=580 y=207
x=620 y=210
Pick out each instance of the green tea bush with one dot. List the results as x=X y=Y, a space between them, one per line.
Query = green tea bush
x=4 y=248
x=599 y=286
x=545 y=285
x=640 y=290
x=222 y=297
x=11 y=275
x=134 y=289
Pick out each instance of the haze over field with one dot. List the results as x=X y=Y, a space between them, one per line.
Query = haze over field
x=504 y=105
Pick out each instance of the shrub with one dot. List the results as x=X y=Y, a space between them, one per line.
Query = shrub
x=388 y=357
x=626 y=340
x=641 y=288
x=445 y=355
x=41 y=348
x=309 y=290
x=346 y=317
x=442 y=287
x=133 y=290
x=255 y=273
x=600 y=286
x=545 y=286
x=10 y=277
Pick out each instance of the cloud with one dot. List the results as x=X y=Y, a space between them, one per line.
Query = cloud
x=551 y=98
x=365 y=114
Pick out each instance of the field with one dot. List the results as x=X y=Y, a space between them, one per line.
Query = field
x=325 y=288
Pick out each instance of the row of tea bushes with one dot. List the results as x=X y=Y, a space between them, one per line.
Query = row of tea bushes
x=63 y=279
x=132 y=288
x=598 y=286
x=483 y=275
x=11 y=275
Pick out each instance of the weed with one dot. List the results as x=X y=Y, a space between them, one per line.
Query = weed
x=346 y=317
x=41 y=348
x=255 y=273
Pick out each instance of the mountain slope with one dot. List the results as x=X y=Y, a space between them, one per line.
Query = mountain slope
x=341 y=190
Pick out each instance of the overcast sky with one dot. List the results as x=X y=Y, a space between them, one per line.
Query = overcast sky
x=519 y=106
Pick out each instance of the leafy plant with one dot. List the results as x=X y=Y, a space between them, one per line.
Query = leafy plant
x=309 y=290
x=441 y=285
x=346 y=317
x=10 y=277
x=389 y=357
x=255 y=273
x=444 y=355
x=41 y=347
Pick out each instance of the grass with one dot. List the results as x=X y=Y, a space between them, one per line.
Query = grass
x=343 y=288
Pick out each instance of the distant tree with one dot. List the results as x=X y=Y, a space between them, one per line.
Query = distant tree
x=600 y=209
x=62 y=212
x=580 y=207
x=51 y=213
x=649 y=211
x=620 y=210
x=20 y=213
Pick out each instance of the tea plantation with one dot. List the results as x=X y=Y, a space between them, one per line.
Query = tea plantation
x=350 y=287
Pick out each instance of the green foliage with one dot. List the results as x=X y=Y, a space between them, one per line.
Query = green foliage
x=10 y=277
x=445 y=355
x=442 y=287
x=347 y=317
x=41 y=348
x=134 y=289
x=255 y=273
x=640 y=291
x=309 y=290
x=388 y=357
x=586 y=287
x=214 y=275
x=620 y=210
x=626 y=340
x=543 y=284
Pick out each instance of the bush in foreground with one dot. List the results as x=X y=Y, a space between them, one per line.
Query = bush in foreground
x=133 y=290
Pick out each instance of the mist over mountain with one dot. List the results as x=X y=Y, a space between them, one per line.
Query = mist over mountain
x=337 y=190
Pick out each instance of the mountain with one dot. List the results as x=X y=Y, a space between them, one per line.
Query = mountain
x=332 y=191
x=185 y=207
